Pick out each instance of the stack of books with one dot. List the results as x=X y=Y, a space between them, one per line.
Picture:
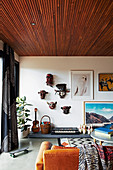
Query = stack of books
x=104 y=132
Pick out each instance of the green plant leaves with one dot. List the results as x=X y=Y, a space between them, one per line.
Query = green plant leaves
x=22 y=113
x=23 y=98
x=26 y=114
x=28 y=119
x=29 y=104
x=26 y=110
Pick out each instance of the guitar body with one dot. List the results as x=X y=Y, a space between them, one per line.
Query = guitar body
x=35 y=127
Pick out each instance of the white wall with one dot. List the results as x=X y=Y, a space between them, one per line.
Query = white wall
x=33 y=72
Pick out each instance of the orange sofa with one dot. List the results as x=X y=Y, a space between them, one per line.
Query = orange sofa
x=57 y=158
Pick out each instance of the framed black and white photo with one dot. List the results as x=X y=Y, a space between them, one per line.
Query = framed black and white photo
x=81 y=85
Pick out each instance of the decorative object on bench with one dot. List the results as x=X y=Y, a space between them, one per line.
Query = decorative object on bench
x=12 y=154
x=89 y=130
x=52 y=105
x=81 y=129
x=62 y=90
x=22 y=116
x=42 y=94
x=64 y=130
x=49 y=80
x=35 y=127
x=45 y=125
x=66 y=109
x=84 y=129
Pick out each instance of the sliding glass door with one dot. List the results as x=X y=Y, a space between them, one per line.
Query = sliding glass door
x=0 y=93
x=16 y=75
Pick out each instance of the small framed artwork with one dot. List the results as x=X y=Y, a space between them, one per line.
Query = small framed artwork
x=98 y=112
x=105 y=82
x=81 y=85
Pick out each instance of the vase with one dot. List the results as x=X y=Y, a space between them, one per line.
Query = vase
x=23 y=134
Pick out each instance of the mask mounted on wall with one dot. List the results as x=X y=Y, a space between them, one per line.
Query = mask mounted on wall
x=65 y=109
x=62 y=90
x=49 y=80
x=42 y=94
x=52 y=105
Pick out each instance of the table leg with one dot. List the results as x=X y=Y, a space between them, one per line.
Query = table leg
x=94 y=140
x=100 y=142
x=59 y=143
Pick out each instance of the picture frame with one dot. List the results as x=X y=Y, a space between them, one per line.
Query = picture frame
x=105 y=82
x=98 y=113
x=81 y=84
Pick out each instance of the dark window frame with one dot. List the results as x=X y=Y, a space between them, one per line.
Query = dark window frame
x=1 y=56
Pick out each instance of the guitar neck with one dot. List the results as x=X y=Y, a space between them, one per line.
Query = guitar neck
x=35 y=116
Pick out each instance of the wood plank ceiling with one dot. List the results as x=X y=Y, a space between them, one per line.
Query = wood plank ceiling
x=62 y=27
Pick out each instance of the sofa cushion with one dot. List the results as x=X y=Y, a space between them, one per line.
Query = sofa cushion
x=62 y=147
x=61 y=159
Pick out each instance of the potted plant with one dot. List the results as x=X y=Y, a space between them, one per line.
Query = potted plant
x=23 y=114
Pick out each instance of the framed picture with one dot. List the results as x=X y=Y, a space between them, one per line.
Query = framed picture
x=105 y=82
x=98 y=112
x=81 y=85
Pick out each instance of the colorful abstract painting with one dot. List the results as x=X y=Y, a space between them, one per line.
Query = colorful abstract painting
x=106 y=82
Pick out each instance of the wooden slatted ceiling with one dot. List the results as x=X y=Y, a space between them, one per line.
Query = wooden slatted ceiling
x=63 y=27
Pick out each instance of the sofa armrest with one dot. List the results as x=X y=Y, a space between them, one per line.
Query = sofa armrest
x=39 y=166
x=39 y=160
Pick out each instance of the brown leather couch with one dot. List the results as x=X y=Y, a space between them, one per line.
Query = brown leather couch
x=57 y=157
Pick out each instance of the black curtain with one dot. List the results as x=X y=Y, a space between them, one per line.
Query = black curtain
x=9 y=135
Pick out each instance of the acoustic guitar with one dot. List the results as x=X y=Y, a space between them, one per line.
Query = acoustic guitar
x=35 y=127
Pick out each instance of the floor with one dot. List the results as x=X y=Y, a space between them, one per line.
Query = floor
x=23 y=161
x=26 y=161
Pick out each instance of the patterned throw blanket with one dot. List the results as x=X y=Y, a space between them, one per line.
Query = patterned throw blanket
x=96 y=157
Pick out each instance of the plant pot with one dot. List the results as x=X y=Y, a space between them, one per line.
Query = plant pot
x=23 y=134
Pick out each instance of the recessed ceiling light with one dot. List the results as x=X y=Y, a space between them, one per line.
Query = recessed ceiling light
x=33 y=23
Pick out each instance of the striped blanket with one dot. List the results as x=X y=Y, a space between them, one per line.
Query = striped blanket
x=96 y=157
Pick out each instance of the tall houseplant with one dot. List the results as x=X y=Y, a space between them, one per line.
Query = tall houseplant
x=23 y=113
